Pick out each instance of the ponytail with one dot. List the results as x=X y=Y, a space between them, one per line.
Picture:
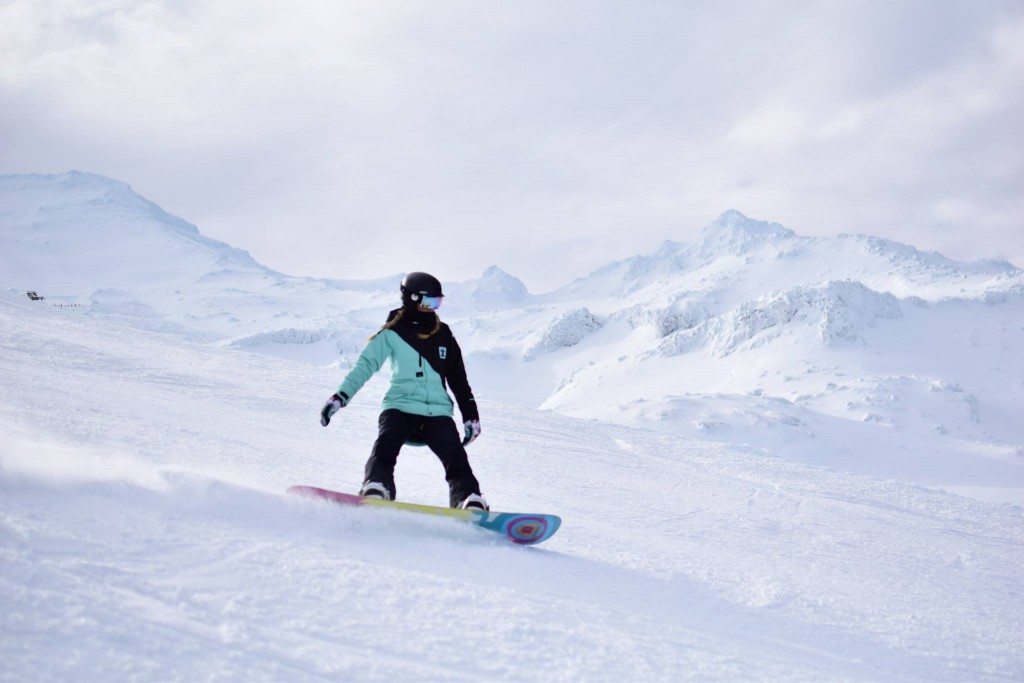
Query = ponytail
x=437 y=326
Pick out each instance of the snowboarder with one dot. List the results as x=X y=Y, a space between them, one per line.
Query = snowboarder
x=425 y=362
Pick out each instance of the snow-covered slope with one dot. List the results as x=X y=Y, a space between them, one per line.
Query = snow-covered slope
x=851 y=351
x=734 y=436
x=144 y=535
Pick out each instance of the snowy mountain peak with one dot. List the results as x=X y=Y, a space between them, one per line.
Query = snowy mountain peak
x=495 y=289
x=85 y=191
x=731 y=234
x=734 y=233
x=496 y=275
x=78 y=233
x=70 y=181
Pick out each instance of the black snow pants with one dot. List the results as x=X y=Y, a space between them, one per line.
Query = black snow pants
x=442 y=437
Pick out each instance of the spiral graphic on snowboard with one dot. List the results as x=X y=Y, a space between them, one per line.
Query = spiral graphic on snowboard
x=525 y=529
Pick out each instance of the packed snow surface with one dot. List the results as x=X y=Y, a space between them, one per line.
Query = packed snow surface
x=757 y=443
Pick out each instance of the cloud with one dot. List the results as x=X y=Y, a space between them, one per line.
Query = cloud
x=359 y=138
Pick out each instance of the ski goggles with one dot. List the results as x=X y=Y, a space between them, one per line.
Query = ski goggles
x=430 y=303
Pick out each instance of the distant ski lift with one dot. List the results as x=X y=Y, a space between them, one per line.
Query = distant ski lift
x=35 y=297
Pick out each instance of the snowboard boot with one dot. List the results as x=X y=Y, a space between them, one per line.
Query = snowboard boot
x=475 y=501
x=373 y=489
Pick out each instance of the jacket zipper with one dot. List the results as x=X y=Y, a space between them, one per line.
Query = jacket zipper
x=426 y=385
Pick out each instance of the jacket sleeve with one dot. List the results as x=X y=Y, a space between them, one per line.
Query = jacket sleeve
x=460 y=384
x=369 y=362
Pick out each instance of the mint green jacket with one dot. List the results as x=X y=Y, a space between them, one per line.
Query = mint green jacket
x=416 y=387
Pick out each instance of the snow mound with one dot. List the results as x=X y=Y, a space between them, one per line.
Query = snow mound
x=682 y=315
x=836 y=311
x=339 y=341
x=567 y=330
x=288 y=335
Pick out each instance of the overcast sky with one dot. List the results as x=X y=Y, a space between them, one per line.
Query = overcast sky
x=361 y=139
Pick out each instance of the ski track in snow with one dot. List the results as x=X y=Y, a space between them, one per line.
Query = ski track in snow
x=144 y=535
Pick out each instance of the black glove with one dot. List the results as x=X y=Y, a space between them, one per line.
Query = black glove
x=471 y=429
x=333 y=405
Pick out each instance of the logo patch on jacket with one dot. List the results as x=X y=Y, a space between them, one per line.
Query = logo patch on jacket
x=443 y=351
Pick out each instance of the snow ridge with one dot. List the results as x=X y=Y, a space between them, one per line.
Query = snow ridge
x=565 y=331
x=836 y=311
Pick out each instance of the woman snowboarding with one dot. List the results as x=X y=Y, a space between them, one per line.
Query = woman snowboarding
x=425 y=362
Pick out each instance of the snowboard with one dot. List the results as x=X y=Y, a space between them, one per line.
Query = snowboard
x=521 y=529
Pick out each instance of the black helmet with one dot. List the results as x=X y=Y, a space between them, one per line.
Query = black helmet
x=417 y=286
x=423 y=284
